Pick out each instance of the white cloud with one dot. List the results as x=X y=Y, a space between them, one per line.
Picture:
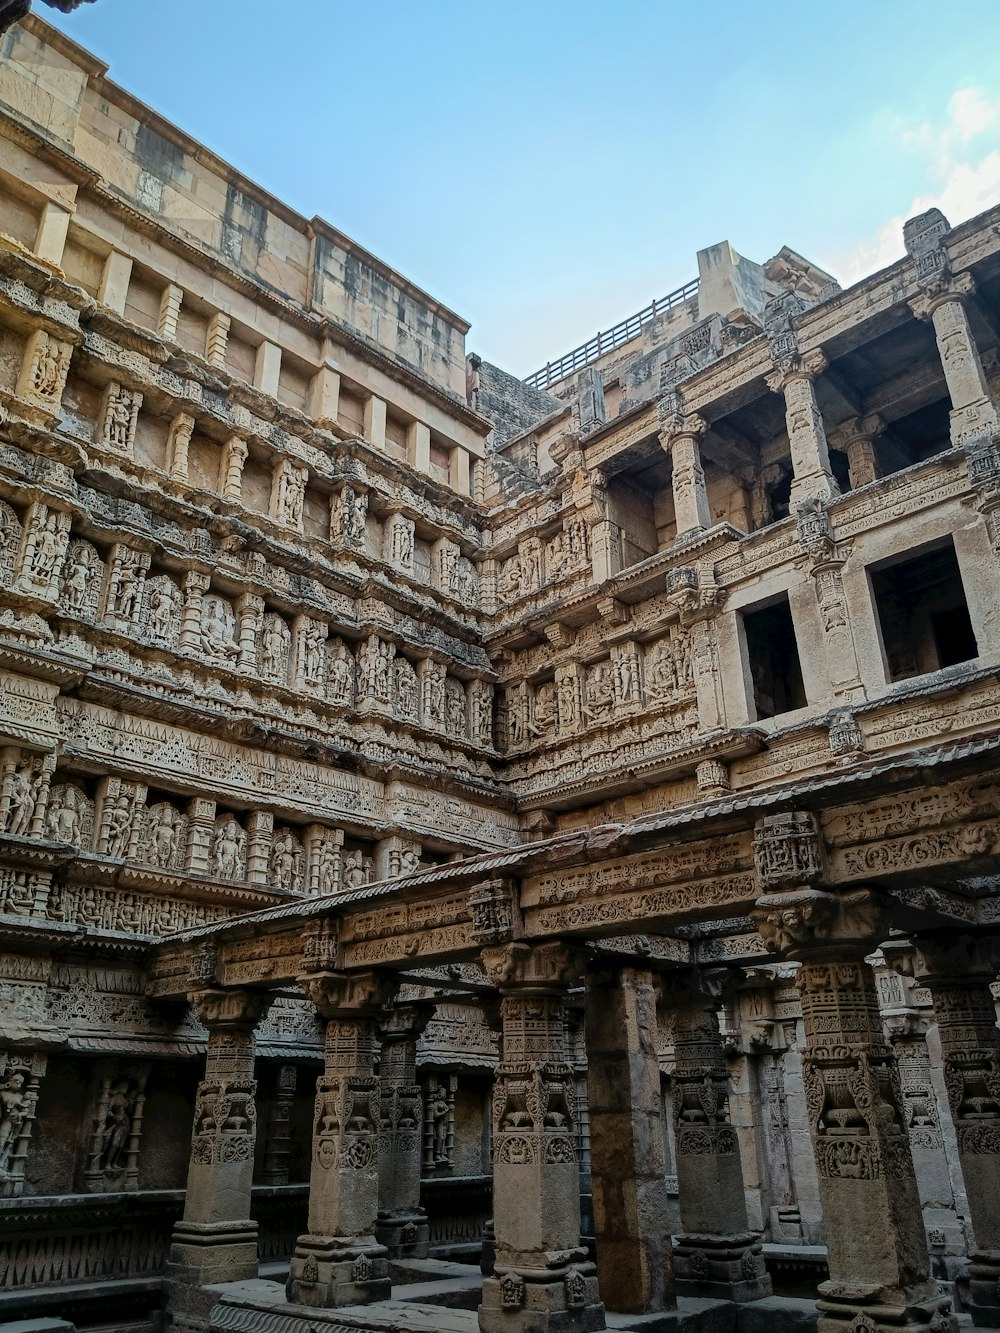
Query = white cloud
x=966 y=171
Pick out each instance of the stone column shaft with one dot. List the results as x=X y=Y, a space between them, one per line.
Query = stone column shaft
x=338 y=1261
x=402 y=1223
x=542 y=1280
x=807 y=444
x=628 y=1174
x=970 y=1045
x=973 y=414
x=717 y=1254
x=688 y=480
x=216 y=1241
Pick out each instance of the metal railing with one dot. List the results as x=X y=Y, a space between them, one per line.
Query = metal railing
x=607 y=340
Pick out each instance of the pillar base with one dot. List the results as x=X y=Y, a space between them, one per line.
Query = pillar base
x=330 y=1271
x=205 y=1252
x=924 y=1308
x=405 y=1235
x=728 y=1267
x=981 y=1288
x=562 y=1298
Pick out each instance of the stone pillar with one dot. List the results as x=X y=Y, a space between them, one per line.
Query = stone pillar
x=170 y=309
x=179 y=444
x=542 y=1280
x=113 y=291
x=250 y=612
x=402 y=1223
x=958 y=974
x=856 y=437
x=217 y=339
x=279 y=1130
x=717 y=1254
x=418 y=447
x=234 y=455
x=679 y=438
x=460 y=470
x=876 y=1247
x=196 y=585
x=811 y=474
x=53 y=228
x=216 y=1241
x=339 y=1261
x=374 y=421
x=942 y=296
x=267 y=368
x=324 y=391
x=634 y=1259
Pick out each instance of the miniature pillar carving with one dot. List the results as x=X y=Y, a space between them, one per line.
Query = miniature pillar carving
x=201 y=829
x=216 y=1241
x=717 y=1254
x=942 y=300
x=250 y=610
x=958 y=974
x=877 y=1250
x=402 y=1223
x=634 y=1258
x=231 y=470
x=542 y=1279
x=324 y=390
x=196 y=584
x=279 y=1130
x=178 y=445
x=339 y=1261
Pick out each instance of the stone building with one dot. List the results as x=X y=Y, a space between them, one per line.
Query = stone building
x=550 y=824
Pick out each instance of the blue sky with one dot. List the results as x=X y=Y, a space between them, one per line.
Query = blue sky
x=547 y=168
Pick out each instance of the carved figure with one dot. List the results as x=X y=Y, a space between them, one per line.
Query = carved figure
x=114 y=1132
x=22 y=800
x=355 y=870
x=354 y=516
x=227 y=850
x=406 y=690
x=274 y=647
x=544 y=713
x=164 y=597
x=76 y=581
x=312 y=653
x=284 y=861
x=512 y=579
x=64 y=816
x=341 y=672
x=456 y=707
x=217 y=628
x=125 y=590
x=662 y=678
x=439 y=1115
x=599 y=690
x=46 y=551
x=47 y=374
x=164 y=836
x=15 y=1105
x=627 y=678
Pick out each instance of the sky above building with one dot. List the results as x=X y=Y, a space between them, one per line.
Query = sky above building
x=548 y=167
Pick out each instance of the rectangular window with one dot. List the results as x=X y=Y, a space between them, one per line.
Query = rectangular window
x=922 y=613
x=773 y=655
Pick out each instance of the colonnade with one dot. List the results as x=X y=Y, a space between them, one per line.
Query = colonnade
x=364 y=1195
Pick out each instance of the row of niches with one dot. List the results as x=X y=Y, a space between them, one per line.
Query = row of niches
x=123 y=592
x=239 y=475
x=636 y=679
x=538 y=562
x=125 y=820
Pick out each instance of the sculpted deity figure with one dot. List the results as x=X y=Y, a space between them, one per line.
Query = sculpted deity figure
x=76 y=582
x=23 y=799
x=465 y=582
x=273 y=647
x=439 y=1115
x=119 y=824
x=47 y=375
x=283 y=861
x=15 y=1105
x=291 y=485
x=354 y=516
x=544 y=713
x=163 y=605
x=406 y=690
x=433 y=694
x=216 y=631
x=64 y=816
x=114 y=1132
x=46 y=551
x=164 y=836
x=355 y=872
x=125 y=590
x=517 y=721
x=627 y=678
x=118 y=423
x=512 y=579
x=662 y=678
x=456 y=708
x=227 y=850
x=567 y=701
x=327 y=876
x=341 y=673
x=401 y=553
x=555 y=557
x=599 y=693
x=312 y=653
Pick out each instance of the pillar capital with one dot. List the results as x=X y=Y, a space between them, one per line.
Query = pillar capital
x=957 y=287
x=954 y=960
x=349 y=994
x=405 y=1022
x=541 y=967
x=788 y=850
x=674 y=421
x=810 y=924
x=229 y=1010
x=798 y=367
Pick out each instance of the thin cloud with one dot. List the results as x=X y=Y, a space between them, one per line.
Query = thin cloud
x=966 y=171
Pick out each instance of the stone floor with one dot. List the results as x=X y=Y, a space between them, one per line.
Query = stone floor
x=441 y=1297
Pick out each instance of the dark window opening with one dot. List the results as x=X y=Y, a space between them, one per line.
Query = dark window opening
x=774 y=660
x=779 y=495
x=913 y=438
x=841 y=470
x=923 y=614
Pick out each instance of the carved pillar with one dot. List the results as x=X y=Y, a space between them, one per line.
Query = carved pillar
x=250 y=610
x=827 y=558
x=339 y=1261
x=178 y=445
x=216 y=1241
x=679 y=438
x=196 y=584
x=698 y=598
x=402 y=1223
x=943 y=294
x=717 y=1254
x=856 y=438
x=201 y=828
x=811 y=475
x=877 y=1250
x=231 y=469
x=958 y=974
x=634 y=1260
x=279 y=1130
x=260 y=828
x=542 y=1280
